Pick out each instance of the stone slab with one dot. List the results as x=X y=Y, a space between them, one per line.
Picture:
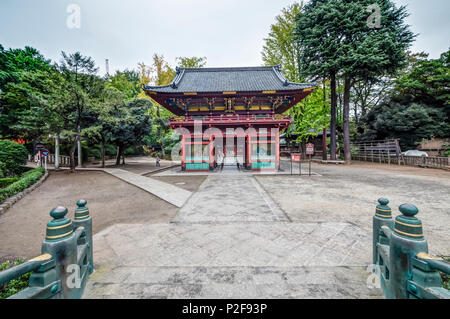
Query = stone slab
x=168 y=192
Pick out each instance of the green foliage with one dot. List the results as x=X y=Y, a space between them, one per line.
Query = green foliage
x=15 y=285
x=193 y=62
x=129 y=125
x=15 y=65
x=126 y=82
x=419 y=107
x=310 y=116
x=7 y=181
x=2 y=169
x=26 y=180
x=446 y=277
x=280 y=46
x=13 y=156
x=333 y=36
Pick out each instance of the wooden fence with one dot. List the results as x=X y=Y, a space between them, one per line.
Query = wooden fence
x=389 y=152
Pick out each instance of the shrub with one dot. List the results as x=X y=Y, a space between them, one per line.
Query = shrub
x=7 y=181
x=15 y=285
x=2 y=168
x=25 y=181
x=445 y=277
x=13 y=156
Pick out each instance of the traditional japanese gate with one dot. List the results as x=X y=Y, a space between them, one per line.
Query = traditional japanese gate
x=249 y=100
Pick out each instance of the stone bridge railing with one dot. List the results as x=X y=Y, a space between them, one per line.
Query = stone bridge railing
x=66 y=261
x=400 y=254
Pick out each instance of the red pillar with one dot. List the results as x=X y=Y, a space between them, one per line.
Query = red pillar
x=211 y=152
x=277 y=150
x=183 y=152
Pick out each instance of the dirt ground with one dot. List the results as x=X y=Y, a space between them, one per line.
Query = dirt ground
x=139 y=165
x=110 y=201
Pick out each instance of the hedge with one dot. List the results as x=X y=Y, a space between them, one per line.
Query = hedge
x=7 y=181
x=12 y=156
x=25 y=181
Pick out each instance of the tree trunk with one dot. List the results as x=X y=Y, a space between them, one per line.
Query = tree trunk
x=103 y=152
x=119 y=153
x=346 y=119
x=333 y=116
x=73 y=147
x=324 y=137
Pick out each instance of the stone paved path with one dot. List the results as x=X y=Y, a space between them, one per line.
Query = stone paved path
x=230 y=240
x=230 y=198
x=168 y=192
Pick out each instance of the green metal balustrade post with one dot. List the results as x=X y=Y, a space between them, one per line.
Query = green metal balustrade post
x=66 y=261
x=82 y=218
x=405 y=242
x=61 y=241
x=382 y=217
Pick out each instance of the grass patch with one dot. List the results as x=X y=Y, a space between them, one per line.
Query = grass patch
x=15 y=285
x=26 y=180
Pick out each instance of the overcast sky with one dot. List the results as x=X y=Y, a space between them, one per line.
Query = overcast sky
x=227 y=32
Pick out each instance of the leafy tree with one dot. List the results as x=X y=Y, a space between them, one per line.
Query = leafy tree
x=336 y=40
x=280 y=46
x=17 y=66
x=418 y=107
x=193 y=62
x=83 y=88
x=126 y=82
x=310 y=115
x=128 y=126
x=163 y=75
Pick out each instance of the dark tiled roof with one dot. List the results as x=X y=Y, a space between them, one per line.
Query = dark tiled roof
x=240 y=79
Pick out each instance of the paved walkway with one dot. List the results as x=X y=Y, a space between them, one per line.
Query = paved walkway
x=168 y=192
x=230 y=240
x=230 y=198
x=237 y=260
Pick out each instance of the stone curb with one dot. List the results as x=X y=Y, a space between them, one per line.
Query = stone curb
x=9 y=202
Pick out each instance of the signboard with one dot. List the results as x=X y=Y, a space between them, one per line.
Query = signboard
x=295 y=157
x=45 y=152
x=40 y=146
x=309 y=149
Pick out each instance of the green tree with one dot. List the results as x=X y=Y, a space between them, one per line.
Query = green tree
x=193 y=62
x=310 y=115
x=126 y=82
x=17 y=83
x=418 y=108
x=128 y=126
x=280 y=46
x=84 y=88
x=336 y=39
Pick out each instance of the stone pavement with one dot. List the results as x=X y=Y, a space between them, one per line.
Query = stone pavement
x=170 y=193
x=230 y=240
x=238 y=260
x=230 y=198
